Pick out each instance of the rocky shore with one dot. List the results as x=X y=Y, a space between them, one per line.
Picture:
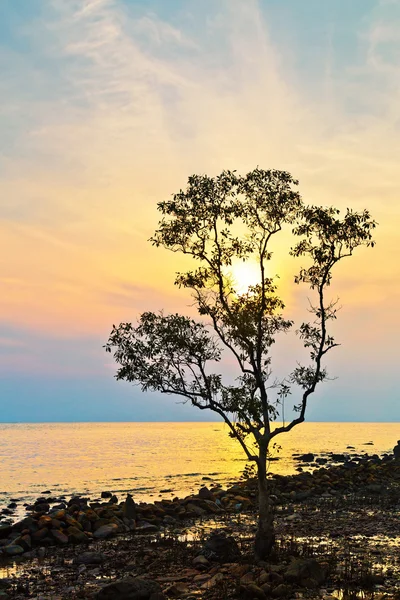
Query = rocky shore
x=337 y=527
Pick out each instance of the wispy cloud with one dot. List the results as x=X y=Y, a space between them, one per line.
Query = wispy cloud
x=112 y=108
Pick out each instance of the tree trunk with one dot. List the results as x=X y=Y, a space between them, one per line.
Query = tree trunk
x=265 y=536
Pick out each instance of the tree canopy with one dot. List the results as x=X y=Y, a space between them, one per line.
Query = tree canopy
x=215 y=221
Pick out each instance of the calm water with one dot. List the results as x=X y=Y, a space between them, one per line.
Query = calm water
x=145 y=458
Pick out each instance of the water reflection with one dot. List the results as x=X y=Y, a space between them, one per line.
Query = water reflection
x=144 y=458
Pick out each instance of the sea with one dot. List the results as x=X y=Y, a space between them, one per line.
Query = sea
x=153 y=460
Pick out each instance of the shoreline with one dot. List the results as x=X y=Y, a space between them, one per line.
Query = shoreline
x=330 y=505
x=14 y=505
x=142 y=460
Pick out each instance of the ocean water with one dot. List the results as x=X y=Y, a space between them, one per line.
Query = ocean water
x=152 y=459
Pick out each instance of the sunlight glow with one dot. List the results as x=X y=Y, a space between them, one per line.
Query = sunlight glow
x=244 y=275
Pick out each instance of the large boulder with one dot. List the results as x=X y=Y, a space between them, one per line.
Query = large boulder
x=221 y=548
x=131 y=589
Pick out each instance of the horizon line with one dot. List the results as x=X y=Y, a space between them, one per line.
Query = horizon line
x=166 y=421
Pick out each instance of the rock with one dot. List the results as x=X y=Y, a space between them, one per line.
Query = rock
x=196 y=510
x=60 y=538
x=351 y=464
x=200 y=562
x=281 y=590
x=130 y=589
x=338 y=457
x=45 y=521
x=106 y=494
x=212 y=507
x=168 y=520
x=129 y=509
x=263 y=578
x=176 y=590
x=25 y=541
x=309 y=583
x=205 y=494
x=247 y=579
x=26 y=523
x=396 y=450
x=13 y=550
x=213 y=581
x=99 y=523
x=201 y=578
x=89 y=558
x=266 y=588
x=301 y=569
x=106 y=531
x=276 y=577
x=41 y=507
x=254 y=592
x=77 y=502
x=40 y=534
x=5 y=530
x=309 y=457
x=76 y=536
x=221 y=548
x=59 y=514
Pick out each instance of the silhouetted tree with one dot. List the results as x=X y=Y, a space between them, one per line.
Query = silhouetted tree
x=217 y=221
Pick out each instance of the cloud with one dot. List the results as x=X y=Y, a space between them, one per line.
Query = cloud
x=113 y=107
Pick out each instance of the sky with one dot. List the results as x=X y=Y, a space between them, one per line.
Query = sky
x=107 y=106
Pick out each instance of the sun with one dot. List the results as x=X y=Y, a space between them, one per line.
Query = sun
x=244 y=275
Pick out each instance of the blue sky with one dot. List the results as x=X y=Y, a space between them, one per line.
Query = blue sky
x=108 y=106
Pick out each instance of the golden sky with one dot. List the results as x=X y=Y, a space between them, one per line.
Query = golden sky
x=109 y=105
